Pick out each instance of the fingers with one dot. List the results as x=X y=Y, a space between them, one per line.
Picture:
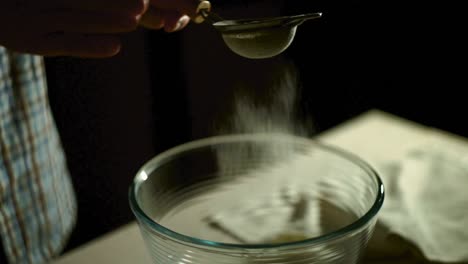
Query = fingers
x=86 y=22
x=87 y=28
x=78 y=45
x=175 y=22
x=182 y=6
x=129 y=7
x=88 y=35
x=171 y=21
x=153 y=19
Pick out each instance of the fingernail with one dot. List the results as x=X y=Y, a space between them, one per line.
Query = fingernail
x=183 y=21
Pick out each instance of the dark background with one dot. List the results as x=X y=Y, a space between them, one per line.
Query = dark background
x=164 y=89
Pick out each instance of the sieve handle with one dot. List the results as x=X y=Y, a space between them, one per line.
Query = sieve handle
x=203 y=12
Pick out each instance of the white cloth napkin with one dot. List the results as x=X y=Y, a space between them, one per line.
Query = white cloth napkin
x=426 y=204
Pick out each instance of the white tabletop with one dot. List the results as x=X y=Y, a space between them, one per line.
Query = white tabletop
x=374 y=136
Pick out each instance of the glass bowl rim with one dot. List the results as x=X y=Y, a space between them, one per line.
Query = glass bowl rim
x=171 y=153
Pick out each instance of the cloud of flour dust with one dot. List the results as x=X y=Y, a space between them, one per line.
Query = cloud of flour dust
x=273 y=106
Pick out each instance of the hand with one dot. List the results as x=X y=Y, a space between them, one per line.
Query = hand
x=81 y=28
x=172 y=15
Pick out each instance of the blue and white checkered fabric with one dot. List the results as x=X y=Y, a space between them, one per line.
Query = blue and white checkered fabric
x=37 y=202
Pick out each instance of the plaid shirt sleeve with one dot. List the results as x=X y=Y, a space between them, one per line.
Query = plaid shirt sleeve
x=37 y=203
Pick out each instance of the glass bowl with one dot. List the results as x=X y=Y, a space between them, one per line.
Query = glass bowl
x=256 y=198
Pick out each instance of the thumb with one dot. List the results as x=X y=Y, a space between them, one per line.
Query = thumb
x=188 y=7
x=146 y=5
